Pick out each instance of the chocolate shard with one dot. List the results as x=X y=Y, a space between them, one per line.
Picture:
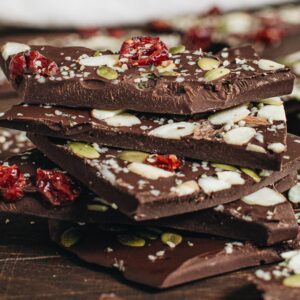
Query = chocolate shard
x=246 y=134
x=144 y=191
x=192 y=90
x=263 y=225
x=162 y=259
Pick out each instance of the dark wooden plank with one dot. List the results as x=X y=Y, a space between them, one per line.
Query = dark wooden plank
x=32 y=267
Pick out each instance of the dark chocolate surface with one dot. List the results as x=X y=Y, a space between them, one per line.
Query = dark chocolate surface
x=204 y=140
x=237 y=220
x=162 y=266
x=146 y=197
x=187 y=93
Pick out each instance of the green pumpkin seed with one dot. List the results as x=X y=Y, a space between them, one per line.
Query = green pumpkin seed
x=216 y=73
x=272 y=101
x=207 y=63
x=84 y=150
x=150 y=235
x=292 y=281
x=252 y=174
x=177 y=49
x=107 y=73
x=131 y=240
x=97 y=53
x=171 y=239
x=225 y=167
x=70 y=237
x=97 y=207
x=169 y=73
x=133 y=156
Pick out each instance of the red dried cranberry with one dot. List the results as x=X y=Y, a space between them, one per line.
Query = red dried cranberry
x=32 y=62
x=168 y=162
x=17 y=66
x=213 y=11
x=143 y=51
x=160 y=25
x=40 y=64
x=198 y=37
x=88 y=31
x=269 y=35
x=12 y=183
x=56 y=187
x=116 y=32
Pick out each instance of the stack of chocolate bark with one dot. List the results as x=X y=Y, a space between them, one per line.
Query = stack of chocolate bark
x=175 y=159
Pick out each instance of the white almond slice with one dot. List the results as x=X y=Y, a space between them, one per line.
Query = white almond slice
x=109 y=60
x=294 y=263
x=148 y=171
x=212 y=184
x=272 y=113
x=277 y=147
x=174 y=130
x=294 y=194
x=255 y=148
x=272 y=101
x=238 y=22
x=233 y=178
x=123 y=119
x=289 y=254
x=269 y=65
x=186 y=188
x=264 y=197
x=239 y=135
x=102 y=114
x=231 y=115
x=13 y=48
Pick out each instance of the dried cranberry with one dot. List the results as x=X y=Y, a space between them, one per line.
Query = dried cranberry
x=269 y=35
x=168 y=162
x=32 y=62
x=143 y=51
x=12 y=183
x=213 y=11
x=116 y=32
x=17 y=66
x=160 y=25
x=198 y=37
x=88 y=31
x=56 y=187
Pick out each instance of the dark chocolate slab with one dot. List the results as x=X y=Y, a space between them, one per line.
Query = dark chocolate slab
x=188 y=93
x=162 y=265
x=264 y=225
x=146 y=192
x=203 y=137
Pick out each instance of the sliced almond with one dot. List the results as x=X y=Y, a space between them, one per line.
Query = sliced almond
x=212 y=184
x=272 y=113
x=294 y=194
x=255 y=148
x=239 y=135
x=123 y=119
x=272 y=101
x=11 y=48
x=264 y=197
x=102 y=114
x=269 y=65
x=186 y=188
x=147 y=171
x=255 y=121
x=109 y=60
x=174 y=130
x=277 y=147
x=233 y=178
x=231 y=115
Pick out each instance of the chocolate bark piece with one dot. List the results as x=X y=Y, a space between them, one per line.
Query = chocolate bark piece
x=143 y=191
x=13 y=142
x=237 y=220
x=210 y=137
x=147 y=89
x=160 y=259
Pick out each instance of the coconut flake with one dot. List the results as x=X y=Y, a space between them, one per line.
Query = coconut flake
x=272 y=113
x=11 y=48
x=109 y=60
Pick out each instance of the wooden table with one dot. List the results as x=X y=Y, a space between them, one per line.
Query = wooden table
x=32 y=267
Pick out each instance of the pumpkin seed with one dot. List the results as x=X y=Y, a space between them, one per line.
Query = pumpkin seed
x=216 y=73
x=107 y=73
x=131 y=240
x=207 y=63
x=292 y=281
x=150 y=235
x=225 y=167
x=84 y=150
x=97 y=53
x=70 y=237
x=171 y=239
x=252 y=174
x=177 y=49
x=97 y=207
x=133 y=156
